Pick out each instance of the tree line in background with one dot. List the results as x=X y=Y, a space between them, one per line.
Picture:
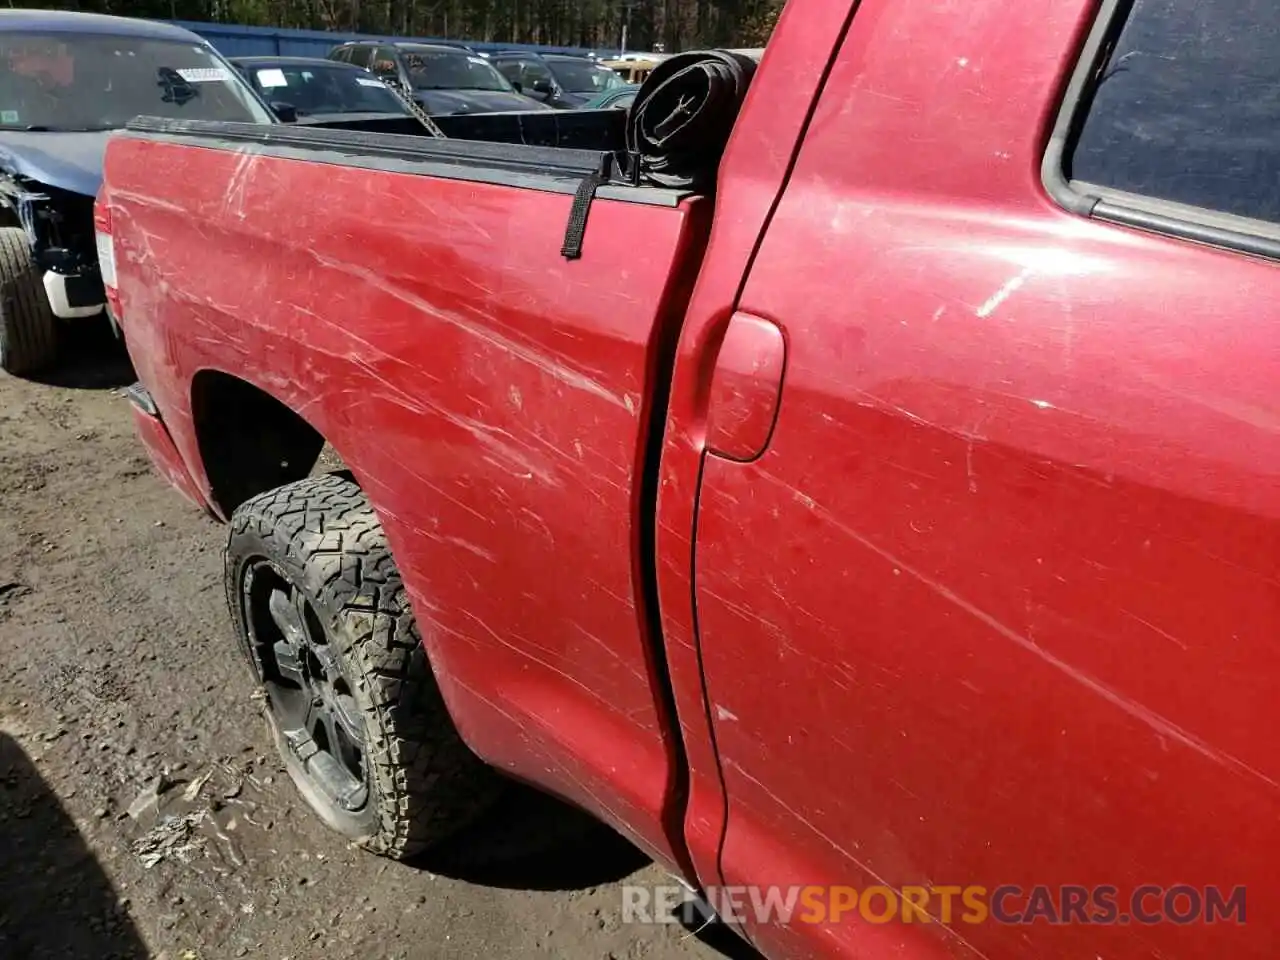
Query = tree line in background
x=596 y=24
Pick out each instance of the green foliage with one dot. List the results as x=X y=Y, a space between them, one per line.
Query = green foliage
x=599 y=24
x=757 y=31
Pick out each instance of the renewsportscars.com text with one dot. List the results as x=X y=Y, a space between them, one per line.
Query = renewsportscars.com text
x=950 y=904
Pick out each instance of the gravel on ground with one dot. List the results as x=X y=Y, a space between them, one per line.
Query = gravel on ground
x=143 y=812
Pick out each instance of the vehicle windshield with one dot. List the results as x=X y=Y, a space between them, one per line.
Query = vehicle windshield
x=583 y=76
x=77 y=82
x=451 y=70
x=316 y=89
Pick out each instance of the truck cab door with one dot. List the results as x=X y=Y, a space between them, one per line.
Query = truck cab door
x=985 y=531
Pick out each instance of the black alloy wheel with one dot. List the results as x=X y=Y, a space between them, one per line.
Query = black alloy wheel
x=309 y=700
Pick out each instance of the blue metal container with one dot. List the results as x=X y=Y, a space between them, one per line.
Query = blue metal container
x=235 y=40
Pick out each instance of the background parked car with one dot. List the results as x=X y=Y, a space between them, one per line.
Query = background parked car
x=443 y=79
x=70 y=79
x=308 y=88
x=632 y=70
x=619 y=98
x=559 y=80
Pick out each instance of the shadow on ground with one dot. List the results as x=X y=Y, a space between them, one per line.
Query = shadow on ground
x=90 y=357
x=532 y=841
x=55 y=899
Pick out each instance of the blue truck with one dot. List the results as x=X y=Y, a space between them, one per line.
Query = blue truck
x=66 y=81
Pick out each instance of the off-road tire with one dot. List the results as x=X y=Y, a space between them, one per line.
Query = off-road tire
x=322 y=535
x=28 y=330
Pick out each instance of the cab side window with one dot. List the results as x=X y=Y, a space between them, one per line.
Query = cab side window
x=361 y=56
x=1186 y=107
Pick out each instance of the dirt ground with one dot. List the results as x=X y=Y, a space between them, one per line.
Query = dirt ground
x=143 y=812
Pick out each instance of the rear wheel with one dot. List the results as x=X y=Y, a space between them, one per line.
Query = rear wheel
x=349 y=696
x=28 y=332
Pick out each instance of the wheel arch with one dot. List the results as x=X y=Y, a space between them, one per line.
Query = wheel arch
x=239 y=465
x=249 y=440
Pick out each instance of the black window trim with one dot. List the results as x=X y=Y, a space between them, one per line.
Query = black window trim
x=1197 y=224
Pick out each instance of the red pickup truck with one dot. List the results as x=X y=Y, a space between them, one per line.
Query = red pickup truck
x=895 y=519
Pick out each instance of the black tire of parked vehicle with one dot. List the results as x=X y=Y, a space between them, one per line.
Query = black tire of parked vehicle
x=318 y=544
x=28 y=331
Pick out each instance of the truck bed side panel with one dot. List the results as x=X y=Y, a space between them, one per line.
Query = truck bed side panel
x=487 y=393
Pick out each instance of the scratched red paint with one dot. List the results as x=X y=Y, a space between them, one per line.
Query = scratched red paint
x=491 y=409
x=996 y=605
x=999 y=603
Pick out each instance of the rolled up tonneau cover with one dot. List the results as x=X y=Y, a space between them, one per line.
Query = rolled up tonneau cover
x=681 y=119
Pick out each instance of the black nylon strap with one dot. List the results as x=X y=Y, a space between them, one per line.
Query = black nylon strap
x=576 y=230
